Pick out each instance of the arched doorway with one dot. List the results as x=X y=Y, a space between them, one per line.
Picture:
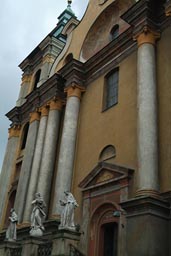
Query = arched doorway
x=104 y=231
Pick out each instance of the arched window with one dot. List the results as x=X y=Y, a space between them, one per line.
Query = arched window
x=107 y=153
x=24 y=136
x=114 y=32
x=36 y=79
x=111 y=89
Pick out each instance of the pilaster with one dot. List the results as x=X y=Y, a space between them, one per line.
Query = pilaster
x=8 y=168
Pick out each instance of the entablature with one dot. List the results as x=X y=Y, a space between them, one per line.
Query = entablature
x=51 y=89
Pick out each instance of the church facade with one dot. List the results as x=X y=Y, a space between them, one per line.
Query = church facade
x=92 y=122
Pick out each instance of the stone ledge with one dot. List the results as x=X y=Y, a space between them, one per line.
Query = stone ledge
x=146 y=205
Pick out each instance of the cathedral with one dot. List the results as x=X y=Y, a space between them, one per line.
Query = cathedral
x=87 y=167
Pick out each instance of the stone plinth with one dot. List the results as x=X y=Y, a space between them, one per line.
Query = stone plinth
x=147 y=226
x=10 y=248
x=62 y=242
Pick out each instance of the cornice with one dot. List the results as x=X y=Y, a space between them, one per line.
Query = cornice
x=145 y=13
x=74 y=73
x=53 y=88
x=110 y=56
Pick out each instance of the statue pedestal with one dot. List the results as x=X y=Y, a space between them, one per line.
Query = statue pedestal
x=63 y=240
x=36 y=232
x=10 y=248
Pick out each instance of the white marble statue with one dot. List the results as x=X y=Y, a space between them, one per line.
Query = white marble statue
x=37 y=216
x=11 y=233
x=67 y=216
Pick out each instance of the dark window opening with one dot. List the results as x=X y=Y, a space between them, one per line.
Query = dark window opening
x=36 y=79
x=24 y=138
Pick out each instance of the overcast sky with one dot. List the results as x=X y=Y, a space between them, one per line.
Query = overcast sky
x=24 y=23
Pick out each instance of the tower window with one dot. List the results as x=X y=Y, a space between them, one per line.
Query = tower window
x=24 y=136
x=111 y=89
x=36 y=79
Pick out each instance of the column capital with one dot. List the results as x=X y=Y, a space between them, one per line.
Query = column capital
x=55 y=104
x=34 y=116
x=147 y=36
x=14 y=131
x=74 y=91
x=44 y=110
x=48 y=59
x=168 y=8
x=26 y=79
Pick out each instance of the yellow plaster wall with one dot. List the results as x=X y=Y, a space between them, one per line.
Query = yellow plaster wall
x=115 y=126
x=79 y=34
x=164 y=108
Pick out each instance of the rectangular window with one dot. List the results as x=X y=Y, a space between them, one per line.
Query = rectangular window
x=111 y=89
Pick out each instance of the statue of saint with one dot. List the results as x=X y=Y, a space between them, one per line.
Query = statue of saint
x=37 y=216
x=67 y=216
x=11 y=233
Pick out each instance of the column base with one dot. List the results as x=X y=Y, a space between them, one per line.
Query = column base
x=148 y=192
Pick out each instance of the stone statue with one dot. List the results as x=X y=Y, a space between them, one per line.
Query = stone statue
x=67 y=216
x=11 y=233
x=37 y=216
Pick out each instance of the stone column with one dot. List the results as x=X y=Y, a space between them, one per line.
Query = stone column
x=67 y=147
x=147 y=114
x=26 y=165
x=49 y=151
x=36 y=163
x=8 y=167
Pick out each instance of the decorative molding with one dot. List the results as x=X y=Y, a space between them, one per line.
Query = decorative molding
x=105 y=173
